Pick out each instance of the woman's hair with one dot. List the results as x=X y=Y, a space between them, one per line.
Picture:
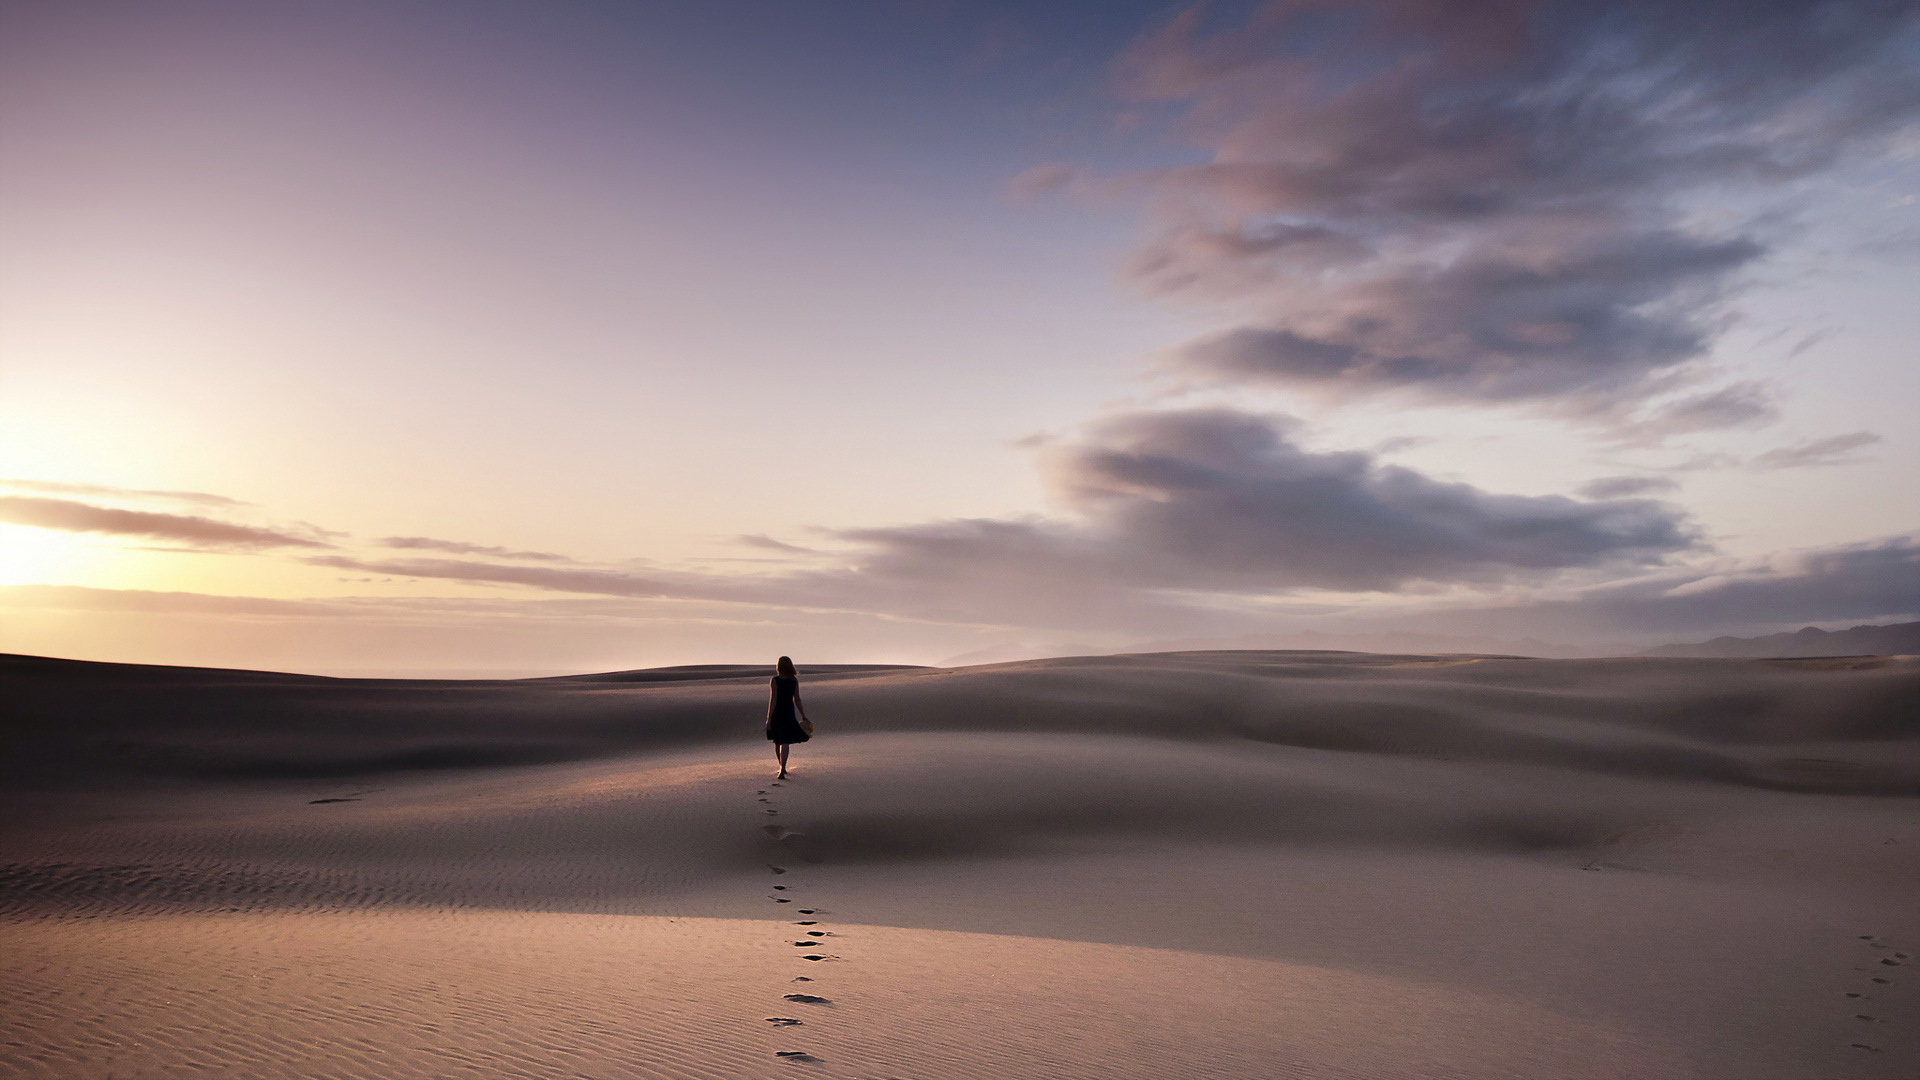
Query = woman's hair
x=785 y=666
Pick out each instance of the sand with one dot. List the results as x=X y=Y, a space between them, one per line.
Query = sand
x=1231 y=864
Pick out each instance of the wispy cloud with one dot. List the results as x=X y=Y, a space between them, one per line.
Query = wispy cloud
x=768 y=543
x=198 y=532
x=1740 y=405
x=1817 y=453
x=1626 y=487
x=598 y=582
x=50 y=487
x=461 y=547
x=155 y=602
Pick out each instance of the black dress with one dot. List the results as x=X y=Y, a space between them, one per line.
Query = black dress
x=783 y=723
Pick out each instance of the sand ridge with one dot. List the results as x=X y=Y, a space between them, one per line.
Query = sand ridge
x=1726 y=720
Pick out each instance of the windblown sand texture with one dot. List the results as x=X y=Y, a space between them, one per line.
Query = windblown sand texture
x=1224 y=864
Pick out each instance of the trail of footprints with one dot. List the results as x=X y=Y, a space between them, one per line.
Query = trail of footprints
x=1883 y=973
x=811 y=938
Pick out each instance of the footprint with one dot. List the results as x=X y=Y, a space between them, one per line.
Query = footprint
x=810 y=956
x=783 y=1021
x=1881 y=981
x=809 y=999
x=782 y=888
x=779 y=899
x=776 y=869
x=808 y=911
x=317 y=802
x=805 y=944
x=801 y=978
x=763 y=800
x=1891 y=962
x=817 y=933
x=773 y=811
x=1901 y=956
x=1864 y=1046
x=1853 y=995
x=795 y=1055
x=807 y=922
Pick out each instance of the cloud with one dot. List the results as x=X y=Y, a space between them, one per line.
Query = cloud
x=1593 y=322
x=1489 y=202
x=1043 y=179
x=596 y=582
x=1623 y=487
x=1220 y=492
x=1874 y=580
x=1401 y=442
x=458 y=547
x=198 y=532
x=50 y=487
x=1819 y=453
x=1168 y=515
x=1216 y=499
x=147 y=601
x=768 y=543
x=1743 y=404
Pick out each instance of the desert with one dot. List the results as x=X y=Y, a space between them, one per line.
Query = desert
x=1249 y=864
x=959 y=540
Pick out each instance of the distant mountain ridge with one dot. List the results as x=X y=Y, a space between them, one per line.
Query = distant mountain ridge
x=1895 y=639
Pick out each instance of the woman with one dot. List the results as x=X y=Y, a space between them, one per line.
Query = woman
x=784 y=728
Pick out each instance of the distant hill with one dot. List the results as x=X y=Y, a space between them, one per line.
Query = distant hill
x=1394 y=642
x=1390 y=642
x=1897 y=639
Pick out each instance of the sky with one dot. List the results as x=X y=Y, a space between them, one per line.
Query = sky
x=497 y=338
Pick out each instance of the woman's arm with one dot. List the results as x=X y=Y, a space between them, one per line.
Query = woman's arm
x=798 y=707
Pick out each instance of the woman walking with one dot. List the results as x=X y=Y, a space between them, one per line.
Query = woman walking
x=787 y=721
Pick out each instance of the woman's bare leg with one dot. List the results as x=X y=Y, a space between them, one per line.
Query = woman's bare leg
x=780 y=751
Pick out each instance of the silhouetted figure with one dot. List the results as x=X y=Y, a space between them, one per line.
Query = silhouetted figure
x=787 y=721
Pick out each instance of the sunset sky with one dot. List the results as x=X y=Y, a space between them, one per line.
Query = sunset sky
x=501 y=338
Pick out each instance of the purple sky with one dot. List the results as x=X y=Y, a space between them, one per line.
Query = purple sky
x=488 y=337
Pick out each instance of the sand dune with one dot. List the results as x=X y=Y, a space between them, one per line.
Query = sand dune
x=1202 y=864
